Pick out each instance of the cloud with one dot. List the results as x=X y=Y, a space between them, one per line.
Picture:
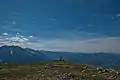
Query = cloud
x=30 y=36
x=118 y=15
x=93 y=45
x=112 y=18
x=16 y=14
x=11 y=26
x=8 y=38
x=13 y=22
x=5 y=34
x=108 y=44
x=18 y=39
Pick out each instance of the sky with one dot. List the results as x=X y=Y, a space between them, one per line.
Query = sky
x=61 y=25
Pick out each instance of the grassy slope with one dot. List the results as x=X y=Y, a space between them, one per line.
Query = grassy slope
x=54 y=71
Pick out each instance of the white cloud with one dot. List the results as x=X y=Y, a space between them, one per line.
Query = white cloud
x=30 y=36
x=118 y=15
x=5 y=34
x=103 y=44
x=18 y=38
x=108 y=44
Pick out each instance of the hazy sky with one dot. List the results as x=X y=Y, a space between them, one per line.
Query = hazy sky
x=61 y=25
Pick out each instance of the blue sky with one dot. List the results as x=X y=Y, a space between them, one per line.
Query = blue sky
x=61 y=25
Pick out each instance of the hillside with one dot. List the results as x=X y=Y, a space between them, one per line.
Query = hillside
x=18 y=54
x=56 y=70
x=99 y=59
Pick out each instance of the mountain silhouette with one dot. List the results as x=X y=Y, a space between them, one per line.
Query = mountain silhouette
x=18 y=54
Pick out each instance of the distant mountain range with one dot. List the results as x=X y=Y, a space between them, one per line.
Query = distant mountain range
x=18 y=54
x=98 y=59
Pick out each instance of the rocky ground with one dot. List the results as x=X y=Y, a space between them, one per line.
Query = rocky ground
x=56 y=70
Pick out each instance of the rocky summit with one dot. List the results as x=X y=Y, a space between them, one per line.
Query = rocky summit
x=56 y=70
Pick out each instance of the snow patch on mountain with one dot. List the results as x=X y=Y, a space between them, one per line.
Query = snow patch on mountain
x=32 y=52
x=11 y=52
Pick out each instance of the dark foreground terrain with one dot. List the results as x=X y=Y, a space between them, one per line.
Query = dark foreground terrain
x=55 y=70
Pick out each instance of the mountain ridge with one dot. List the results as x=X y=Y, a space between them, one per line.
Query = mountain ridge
x=18 y=54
